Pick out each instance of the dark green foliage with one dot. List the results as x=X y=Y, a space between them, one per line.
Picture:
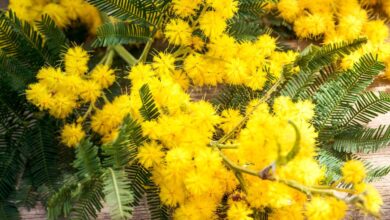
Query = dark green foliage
x=117 y=194
x=335 y=97
x=8 y=211
x=243 y=30
x=314 y=57
x=139 y=177
x=23 y=51
x=44 y=148
x=304 y=85
x=15 y=73
x=367 y=106
x=55 y=39
x=26 y=145
x=358 y=139
x=28 y=140
x=236 y=97
x=60 y=203
x=252 y=8
x=89 y=202
x=110 y=34
x=312 y=60
x=156 y=208
x=143 y=12
x=87 y=161
x=20 y=40
x=149 y=110
x=124 y=149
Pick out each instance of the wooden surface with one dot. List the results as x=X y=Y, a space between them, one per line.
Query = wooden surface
x=382 y=157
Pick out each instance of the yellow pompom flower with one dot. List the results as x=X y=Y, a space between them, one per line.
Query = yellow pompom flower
x=141 y=74
x=198 y=183
x=353 y=171
x=212 y=24
x=292 y=212
x=350 y=26
x=236 y=71
x=265 y=193
x=172 y=195
x=110 y=137
x=185 y=8
x=178 y=32
x=39 y=95
x=51 y=77
x=73 y=8
x=230 y=118
x=372 y=200
x=103 y=75
x=62 y=106
x=91 y=91
x=289 y=9
x=376 y=31
x=76 y=61
x=150 y=154
x=72 y=134
x=239 y=211
x=164 y=63
x=225 y=8
x=180 y=78
x=57 y=13
x=325 y=208
x=312 y=25
x=197 y=43
x=107 y=119
x=266 y=44
x=256 y=79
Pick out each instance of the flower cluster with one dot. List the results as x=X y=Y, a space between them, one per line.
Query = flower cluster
x=219 y=58
x=60 y=92
x=260 y=159
x=63 y=12
x=335 y=21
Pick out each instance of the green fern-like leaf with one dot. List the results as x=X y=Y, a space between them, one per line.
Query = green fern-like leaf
x=8 y=211
x=43 y=160
x=87 y=161
x=55 y=39
x=252 y=8
x=149 y=110
x=362 y=140
x=123 y=150
x=133 y=10
x=236 y=97
x=157 y=210
x=335 y=97
x=314 y=57
x=15 y=73
x=140 y=178
x=89 y=201
x=243 y=30
x=367 y=106
x=376 y=173
x=117 y=194
x=19 y=39
x=334 y=161
x=60 y=203
x=312 y=60
x=10 y=165
x=304 y=85
x=110 y=34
